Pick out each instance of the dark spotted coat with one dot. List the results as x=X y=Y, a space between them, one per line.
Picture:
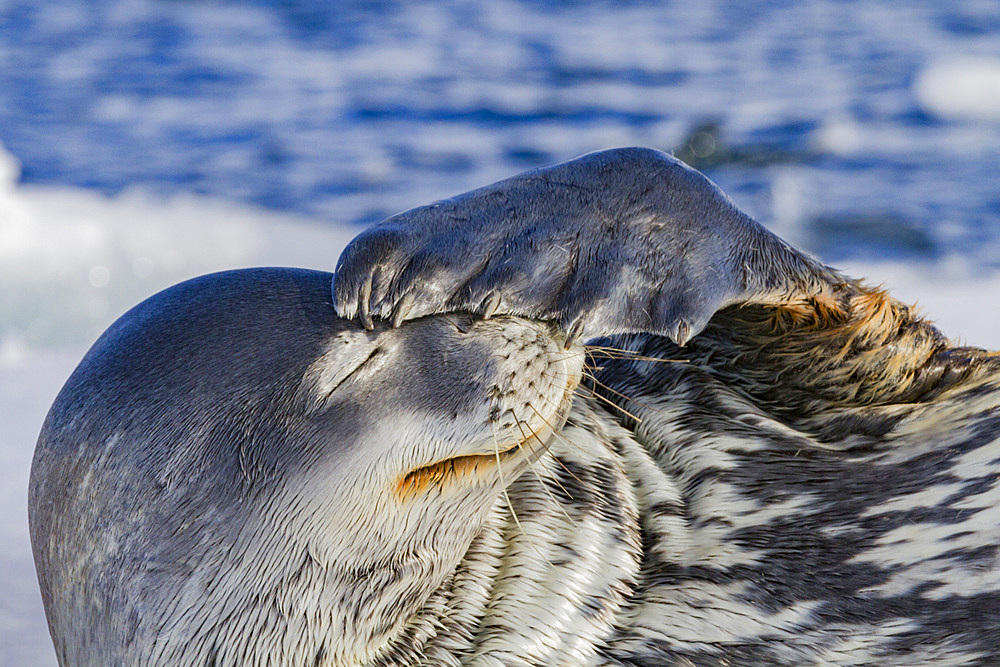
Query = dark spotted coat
x=814 y=479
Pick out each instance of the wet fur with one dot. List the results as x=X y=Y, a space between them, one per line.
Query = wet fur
x=739 y=520
x=814 y=479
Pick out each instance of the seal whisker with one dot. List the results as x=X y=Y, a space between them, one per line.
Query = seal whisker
x=594 y=394
x=607 y=348
x=510 y=505
x=582 y=352
x=559 y=434
x=556 y=431
x=532 y=466
x=616 y=353
x=555 y=374
x=594 y=379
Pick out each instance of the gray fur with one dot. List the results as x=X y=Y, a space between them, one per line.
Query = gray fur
x=214 y=484
x=811 y=480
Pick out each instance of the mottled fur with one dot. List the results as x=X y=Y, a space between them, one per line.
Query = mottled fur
x=822 y=469
x=758 y=523
x=236 y=476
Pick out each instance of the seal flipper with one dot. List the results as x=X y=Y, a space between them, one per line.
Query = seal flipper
x=623 y=240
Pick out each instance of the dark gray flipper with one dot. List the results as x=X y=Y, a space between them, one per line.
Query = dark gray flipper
x=623 y=240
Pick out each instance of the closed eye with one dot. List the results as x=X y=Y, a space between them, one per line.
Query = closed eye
x=460 y=327
x=351 y=370
x=327 y=373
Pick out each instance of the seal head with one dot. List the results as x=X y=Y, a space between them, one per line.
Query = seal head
x=233 y=470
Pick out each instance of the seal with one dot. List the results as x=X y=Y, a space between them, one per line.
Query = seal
x=754 y=459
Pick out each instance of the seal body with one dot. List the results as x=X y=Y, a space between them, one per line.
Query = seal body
x=844 y=510
x=848 y=514
x=689 y=511
x=784 y=467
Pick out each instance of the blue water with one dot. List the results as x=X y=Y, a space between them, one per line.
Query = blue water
x=351 y=111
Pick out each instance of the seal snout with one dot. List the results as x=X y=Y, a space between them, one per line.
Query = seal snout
x=529 y=381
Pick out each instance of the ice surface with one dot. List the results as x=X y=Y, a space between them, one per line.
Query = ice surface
x=961 y=88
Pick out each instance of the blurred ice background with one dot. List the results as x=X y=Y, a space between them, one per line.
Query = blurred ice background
x=149 y=141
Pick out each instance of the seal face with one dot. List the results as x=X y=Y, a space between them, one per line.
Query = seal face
x=761 y=461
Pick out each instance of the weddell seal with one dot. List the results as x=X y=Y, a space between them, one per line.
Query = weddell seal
x=753 y=460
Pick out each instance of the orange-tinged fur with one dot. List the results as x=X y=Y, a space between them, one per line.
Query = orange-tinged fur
x=460 y=468
x=851 y=346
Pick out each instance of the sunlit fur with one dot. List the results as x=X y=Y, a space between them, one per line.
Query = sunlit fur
x=837 y=477
x=810 y=482
x=741 y=520
x=235 y=476
x=813 y=479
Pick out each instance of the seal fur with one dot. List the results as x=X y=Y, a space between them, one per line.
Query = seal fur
x=752 y=522
x=825 y=462
x=812 y=478
x=235 y=475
